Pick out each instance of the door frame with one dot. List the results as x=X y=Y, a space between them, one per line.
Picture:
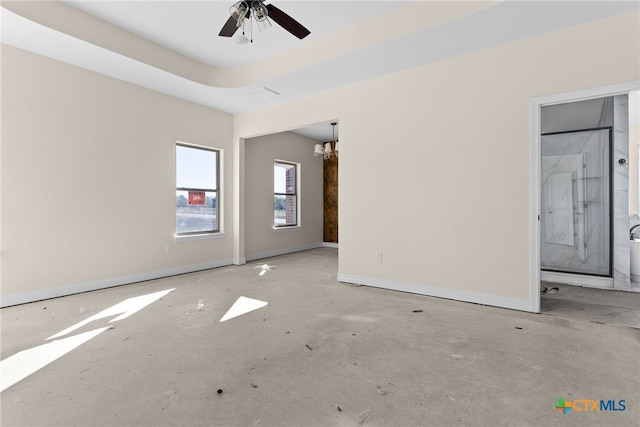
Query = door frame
x=606 y=280
x=536 y=167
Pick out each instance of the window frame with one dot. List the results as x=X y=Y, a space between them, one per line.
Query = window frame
x=296 y=194
x=218 y=228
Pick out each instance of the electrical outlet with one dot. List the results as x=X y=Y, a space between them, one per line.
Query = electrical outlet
x=168 y=250
x=379 y=256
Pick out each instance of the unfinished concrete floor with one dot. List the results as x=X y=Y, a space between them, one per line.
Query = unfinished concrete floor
x=321 y=353
x=604 y=306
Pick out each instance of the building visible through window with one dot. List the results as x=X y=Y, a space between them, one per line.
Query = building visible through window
x=285 y=208
x=197 y=201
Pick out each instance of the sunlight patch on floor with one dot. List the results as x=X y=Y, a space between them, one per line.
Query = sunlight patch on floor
x=22 y=364
x=243 y=305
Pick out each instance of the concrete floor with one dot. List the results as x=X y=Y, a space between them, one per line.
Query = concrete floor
x=603 y=306
x=321 y=353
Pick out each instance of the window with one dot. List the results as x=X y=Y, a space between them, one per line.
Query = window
x=285 y=204
x=197 y=201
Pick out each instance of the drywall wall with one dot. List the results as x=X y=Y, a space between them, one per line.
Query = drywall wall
x=88 y=185
x=435 y=161
x=262 y=240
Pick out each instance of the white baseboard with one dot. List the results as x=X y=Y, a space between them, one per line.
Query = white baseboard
x=577 y=279
x=329 y=245
x=453 y=294
x=283 y=251
x=60 y=291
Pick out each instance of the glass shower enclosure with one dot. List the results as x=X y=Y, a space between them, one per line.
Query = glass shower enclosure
x=576 y=189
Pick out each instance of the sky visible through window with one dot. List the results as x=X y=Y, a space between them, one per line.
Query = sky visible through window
x=280 y=177
x=195 y=168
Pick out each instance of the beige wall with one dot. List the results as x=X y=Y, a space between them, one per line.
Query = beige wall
x=262 y=239
x=88 y=181
x=435 y=161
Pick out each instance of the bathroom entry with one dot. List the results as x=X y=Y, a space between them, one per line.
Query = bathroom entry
x=580 y=195
x=575 y=222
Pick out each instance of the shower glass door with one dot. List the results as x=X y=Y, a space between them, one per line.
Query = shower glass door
x=576 y=202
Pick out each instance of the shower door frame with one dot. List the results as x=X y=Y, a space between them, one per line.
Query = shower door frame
x=535 y=168
x=608 y=223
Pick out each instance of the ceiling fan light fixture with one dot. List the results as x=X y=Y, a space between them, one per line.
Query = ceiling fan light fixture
x=256 y=10
x=264 y=24
x=238 y=12
x=259 y=12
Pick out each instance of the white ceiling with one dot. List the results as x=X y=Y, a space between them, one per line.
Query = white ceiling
x=350 y=41
x=191 y=27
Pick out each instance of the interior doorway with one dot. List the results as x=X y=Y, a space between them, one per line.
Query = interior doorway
x=562 y=176
x=326 y=151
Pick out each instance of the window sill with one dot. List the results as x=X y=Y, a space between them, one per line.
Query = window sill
x=207 y=236
x=291 y=228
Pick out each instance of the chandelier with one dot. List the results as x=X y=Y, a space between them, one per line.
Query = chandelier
x=327 y=149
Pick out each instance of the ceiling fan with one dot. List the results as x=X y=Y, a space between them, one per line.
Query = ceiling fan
x=256 y=9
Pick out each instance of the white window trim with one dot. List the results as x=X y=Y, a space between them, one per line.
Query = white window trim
x=298 y=197
x=219 y=233
x=205 y=236
x=287 y=228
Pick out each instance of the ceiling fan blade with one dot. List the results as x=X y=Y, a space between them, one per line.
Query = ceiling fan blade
x=229 y=28
x=287 y=22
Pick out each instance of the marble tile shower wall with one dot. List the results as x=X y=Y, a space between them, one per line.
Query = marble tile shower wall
x=621 y=223
x=634 y=220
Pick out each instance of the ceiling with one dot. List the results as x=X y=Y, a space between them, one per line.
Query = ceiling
x=191 y=27
x=173 y=47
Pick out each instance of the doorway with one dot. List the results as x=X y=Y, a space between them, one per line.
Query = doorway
x=326 y=151
x=618 y=241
